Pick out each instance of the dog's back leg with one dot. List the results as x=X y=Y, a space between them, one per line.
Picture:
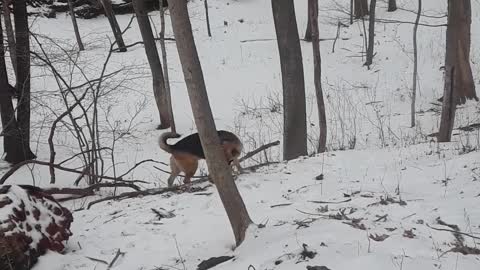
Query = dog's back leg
x=175 y=171
x=190 y=169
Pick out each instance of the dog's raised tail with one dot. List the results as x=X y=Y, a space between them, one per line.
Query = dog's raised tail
x=163 y=141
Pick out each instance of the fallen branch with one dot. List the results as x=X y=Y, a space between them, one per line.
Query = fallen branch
x=258 y=150
x=279 y=205
x=454 y=232
x=147 y=192
x=88 y=190
x=96 y=260
x=257 y=166
x=115 y=258
x=17 y=166
x=212 y=262
x=344 y=201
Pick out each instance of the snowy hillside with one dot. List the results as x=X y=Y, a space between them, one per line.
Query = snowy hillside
x=380 y=198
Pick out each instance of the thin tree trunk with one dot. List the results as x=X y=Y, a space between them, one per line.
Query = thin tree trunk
x=415 y=64
x=392 y=5
x=117 y=32
x=12 y=144
x=75 y=26
x=371 y=34
x=208 y=18
x=10 y=33
x=217 y=165
x=23 y=77
x=459 y=84
x=361 y=8
x=154 y=61
x=351 y=12
x=317 y=73
x=294 y=112
x=165 y=66
x=308 y=31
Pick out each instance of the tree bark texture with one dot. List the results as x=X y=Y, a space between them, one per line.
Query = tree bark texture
x=154 y=61
x=317 y=73
x=217 y=165
x=10 y=33
x=75 y=27
x=392 y=5
x=294 y=112
x=22 y=50
x=459 y=85
x=371 y=34
x=173 y=127
x=361 y=8
x=117 y=32
x=12 y=143
x=351 y=12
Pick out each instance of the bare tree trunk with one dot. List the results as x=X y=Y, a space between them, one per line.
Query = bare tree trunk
x=351 y=12
x=392 y=5
x=459 y=84
x=75 y=27
x=415 y=64
x=371 y=34
x=317 y=73
x=12 y=143
x=294 y=112
x=208 y=18
x=117 y=32
x=308 y=31
x=165 y=66
x=23 y=77
x=10 y=33
x=361 y=8
x=154 y=61
x=197 y=92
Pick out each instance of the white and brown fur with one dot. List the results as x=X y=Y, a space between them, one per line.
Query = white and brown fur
x=188 y=151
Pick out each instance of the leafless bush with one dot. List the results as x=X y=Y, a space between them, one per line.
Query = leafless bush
x=260 y=121
x=83 y=110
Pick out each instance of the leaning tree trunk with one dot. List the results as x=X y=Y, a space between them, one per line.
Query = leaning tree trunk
x=12 y=143
x=154 y=61
x=165 y=66
x=294 y=115
x=75 y=26
x=459 y=84
x=371 y=34
x=22 y=50
x=361 y=8
x=197 y=92
x=317 y=73
x=117 y=32
x=10 y=33
x=392 y=5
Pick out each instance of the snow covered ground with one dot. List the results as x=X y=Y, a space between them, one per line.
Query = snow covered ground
x=417 y=185
x=396 y=181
